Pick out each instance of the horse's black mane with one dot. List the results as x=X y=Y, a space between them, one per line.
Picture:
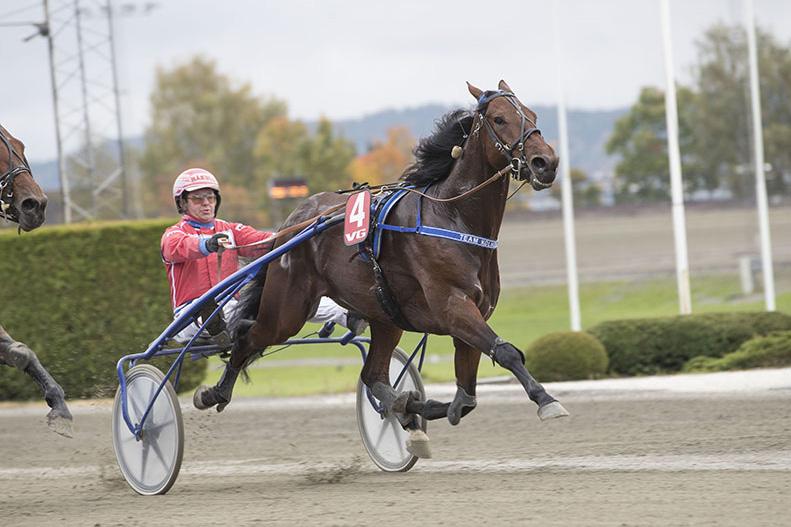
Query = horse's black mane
x=432 y=154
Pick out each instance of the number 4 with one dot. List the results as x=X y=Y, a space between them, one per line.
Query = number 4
x=358 y=213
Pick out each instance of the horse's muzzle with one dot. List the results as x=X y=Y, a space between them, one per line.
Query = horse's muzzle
x=543 y=169
x=32 y=213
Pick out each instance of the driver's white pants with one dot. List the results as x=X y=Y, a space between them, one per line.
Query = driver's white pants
x=328 y=311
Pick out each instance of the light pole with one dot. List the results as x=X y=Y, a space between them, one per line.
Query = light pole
x=674 y=153
x=758 y=148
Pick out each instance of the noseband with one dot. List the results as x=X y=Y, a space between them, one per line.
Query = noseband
x=518 y=162
x=7 y=179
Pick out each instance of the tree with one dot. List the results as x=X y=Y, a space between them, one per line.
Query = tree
x=640 y=139
x=285 y=149
x=279 y=150
x=724 y=122
x=714 y=123
x=200 y=118
x=385 y=161
x=326 y=158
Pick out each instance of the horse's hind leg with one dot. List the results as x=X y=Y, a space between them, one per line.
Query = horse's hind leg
x=403 y=405
x=18 y=355
x=284 y=308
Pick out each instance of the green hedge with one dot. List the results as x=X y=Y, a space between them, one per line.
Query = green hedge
x=566 y=356
x=81 y=297
x=770 y=351
x=660 y=345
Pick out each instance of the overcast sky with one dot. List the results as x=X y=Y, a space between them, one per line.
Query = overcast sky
x=347 y=58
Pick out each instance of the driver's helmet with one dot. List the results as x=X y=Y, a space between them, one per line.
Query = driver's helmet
x=194 y=179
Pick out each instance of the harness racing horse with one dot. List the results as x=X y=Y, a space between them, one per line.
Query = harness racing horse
x=418 y=283
x=23 y=202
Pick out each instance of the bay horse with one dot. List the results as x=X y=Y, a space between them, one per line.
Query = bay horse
x=23 y=202
x=434 y=285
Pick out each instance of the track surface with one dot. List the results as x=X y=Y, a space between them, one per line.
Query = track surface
x=630 y=454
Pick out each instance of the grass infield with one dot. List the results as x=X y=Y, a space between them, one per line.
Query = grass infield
x=523 y=315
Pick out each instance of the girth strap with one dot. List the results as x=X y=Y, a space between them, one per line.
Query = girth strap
x=385 y=295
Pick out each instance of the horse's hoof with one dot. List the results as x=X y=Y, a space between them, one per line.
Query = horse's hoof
x=60 y=424
x=221 y=406
x=418 y=444
x=552 y=411
x=197 y=397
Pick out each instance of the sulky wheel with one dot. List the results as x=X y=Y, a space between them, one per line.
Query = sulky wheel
x=150 y=465
x=383 y=437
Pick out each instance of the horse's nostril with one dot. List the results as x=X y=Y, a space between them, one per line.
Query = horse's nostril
x=538 y=164
x=30 y=205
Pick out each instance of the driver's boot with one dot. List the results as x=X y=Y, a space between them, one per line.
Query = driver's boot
x=216 y=327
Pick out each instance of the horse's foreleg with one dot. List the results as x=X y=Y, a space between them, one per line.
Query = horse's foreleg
x=510 y=358
x=470 y=327
x=18 y=355
x=466 y=360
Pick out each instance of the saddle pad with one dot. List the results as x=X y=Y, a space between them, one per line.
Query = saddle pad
x=384 y=204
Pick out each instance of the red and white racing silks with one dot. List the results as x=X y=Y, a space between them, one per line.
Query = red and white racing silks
x=192 y=270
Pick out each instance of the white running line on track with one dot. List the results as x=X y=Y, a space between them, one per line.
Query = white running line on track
x=772 y=382
x=778 y=461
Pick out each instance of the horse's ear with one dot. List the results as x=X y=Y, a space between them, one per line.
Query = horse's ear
x=504 y=86
x=476 y=92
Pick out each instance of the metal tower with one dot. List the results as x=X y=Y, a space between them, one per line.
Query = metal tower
x=89 y=133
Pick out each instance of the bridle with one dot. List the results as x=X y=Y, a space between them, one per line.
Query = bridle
x=7 y=212
x=515 y=151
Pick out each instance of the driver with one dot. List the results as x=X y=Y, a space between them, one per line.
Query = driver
x=189 y=251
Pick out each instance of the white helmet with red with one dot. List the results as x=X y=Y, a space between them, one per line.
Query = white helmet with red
x=194 y=179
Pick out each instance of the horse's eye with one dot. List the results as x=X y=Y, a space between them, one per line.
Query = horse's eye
x=499 y=120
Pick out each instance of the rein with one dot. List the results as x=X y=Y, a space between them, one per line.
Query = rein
x=500 y=173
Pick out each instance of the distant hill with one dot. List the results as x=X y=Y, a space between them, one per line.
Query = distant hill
x=588 y=129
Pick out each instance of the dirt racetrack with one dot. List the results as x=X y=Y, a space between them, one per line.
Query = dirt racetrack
x=640 y=457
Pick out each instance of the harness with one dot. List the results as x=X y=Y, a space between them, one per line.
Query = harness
x=7 y=179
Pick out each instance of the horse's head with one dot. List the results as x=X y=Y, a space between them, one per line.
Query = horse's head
x=21 y=199
x=513 y=136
